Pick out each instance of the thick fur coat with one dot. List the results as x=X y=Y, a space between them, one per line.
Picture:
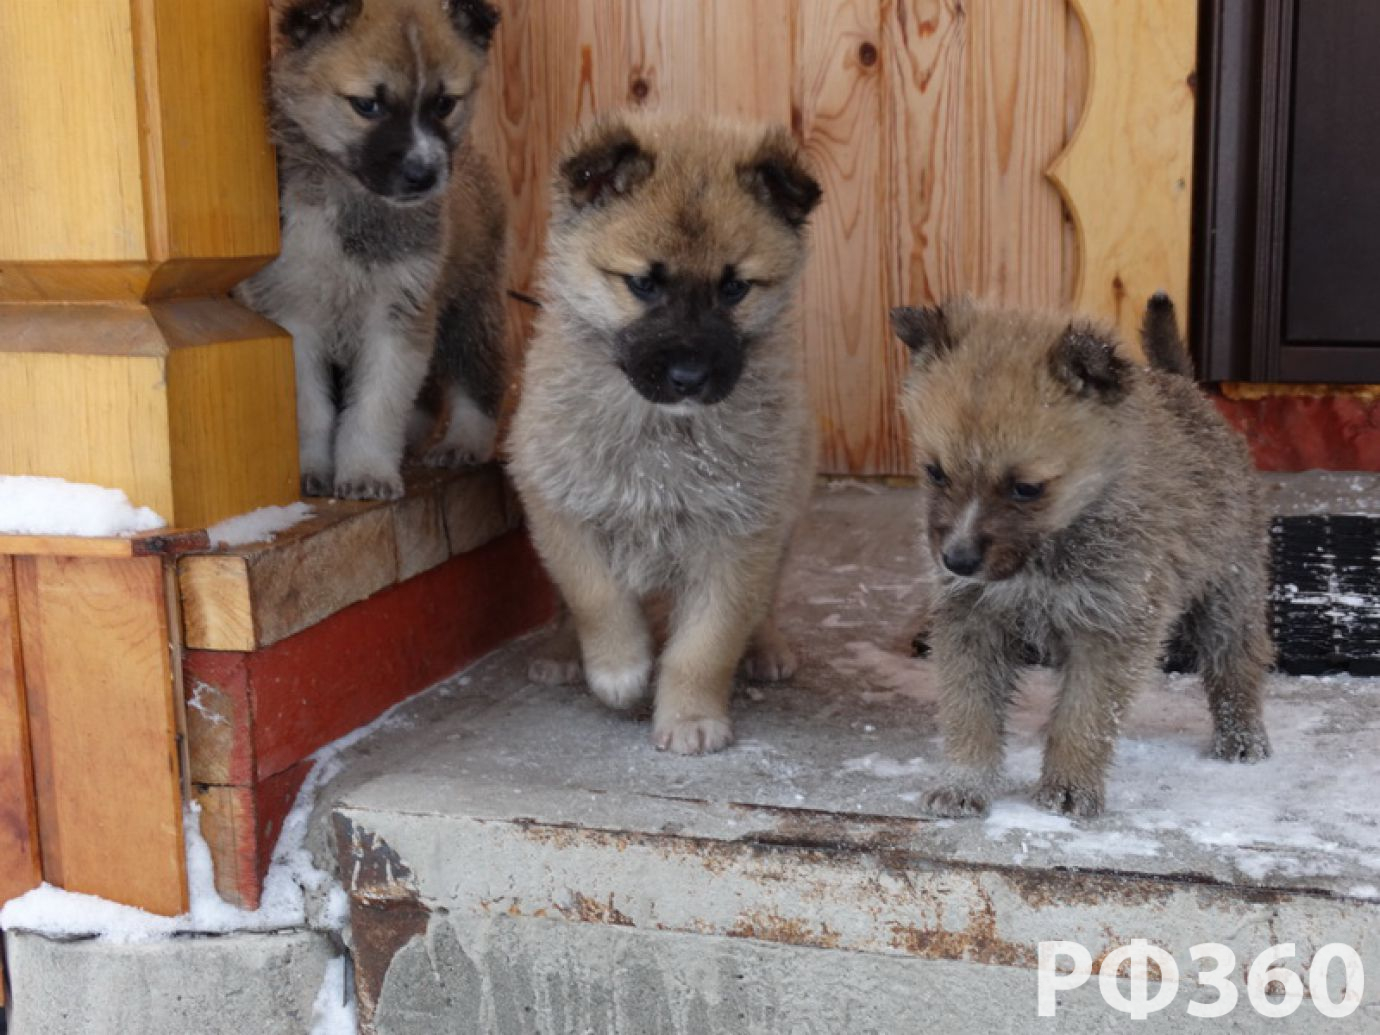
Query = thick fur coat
x=392 y=238
x=663 y=444
x=1082 y=505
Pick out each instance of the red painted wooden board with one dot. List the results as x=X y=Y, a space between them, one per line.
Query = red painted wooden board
x=1299 y=433
x=277 y=706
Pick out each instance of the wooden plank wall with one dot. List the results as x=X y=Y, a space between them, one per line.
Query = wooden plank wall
x=932 y=123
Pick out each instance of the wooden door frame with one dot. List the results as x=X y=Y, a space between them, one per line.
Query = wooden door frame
x=1244 y=131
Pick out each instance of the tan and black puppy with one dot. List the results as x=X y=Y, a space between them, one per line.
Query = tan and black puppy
x=1080 y=505
x=663 y=446
x=393 y=236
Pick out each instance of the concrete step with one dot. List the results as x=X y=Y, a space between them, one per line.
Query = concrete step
x=521 y=860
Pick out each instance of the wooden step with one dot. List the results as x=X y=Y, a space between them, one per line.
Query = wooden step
x=297 y=642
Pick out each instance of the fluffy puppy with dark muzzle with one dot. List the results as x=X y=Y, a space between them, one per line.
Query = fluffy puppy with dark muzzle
x=1081 y=506
x=391 y=271
x=663 y=446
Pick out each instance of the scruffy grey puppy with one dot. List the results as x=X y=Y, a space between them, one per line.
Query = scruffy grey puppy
x=663 y=446
x=1079 y=505
x=393 y=234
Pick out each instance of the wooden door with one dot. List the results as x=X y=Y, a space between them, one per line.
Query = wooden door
x=1288 y=225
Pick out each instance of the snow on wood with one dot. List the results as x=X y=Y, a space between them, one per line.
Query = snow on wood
x=258 y=526
x=32 y=505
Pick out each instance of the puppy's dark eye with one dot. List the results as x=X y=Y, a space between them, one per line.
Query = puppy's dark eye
x=445 y=104
x=1027 y=492
x=367 y=107
x=644 y=288
x=734 y=290
x=937 y=475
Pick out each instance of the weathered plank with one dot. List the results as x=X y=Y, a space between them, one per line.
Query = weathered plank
x=248 y=597
x=839 y=96
x=253 y=719
x=97 y=666
x=20 y=865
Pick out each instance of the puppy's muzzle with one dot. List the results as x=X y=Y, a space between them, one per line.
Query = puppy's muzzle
x=964 y=558
x=671 y=365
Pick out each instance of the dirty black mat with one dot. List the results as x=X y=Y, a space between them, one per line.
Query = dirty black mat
x=1326 y=600
x=1325 y=606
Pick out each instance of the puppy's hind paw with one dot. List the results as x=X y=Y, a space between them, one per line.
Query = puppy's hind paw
x=693 y=736
x=1068 y=798
x=1246 y=744
x=769 y=660
x=555 y=671
x=955 y=803
x=620 y=689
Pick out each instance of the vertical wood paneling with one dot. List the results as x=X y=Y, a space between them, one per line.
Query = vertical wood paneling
x=1127 y=173
x=840 y=100
x=95 y=637
x=933 y=124
x=20 y=869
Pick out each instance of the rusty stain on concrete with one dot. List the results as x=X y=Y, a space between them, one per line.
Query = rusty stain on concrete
x=386 y=912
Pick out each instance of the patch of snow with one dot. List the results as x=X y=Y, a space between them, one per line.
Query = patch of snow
x=195 y=702
x=333 y=1013
x=293 y=876
x=885 y=768
x=50 y=506
x=258 y=526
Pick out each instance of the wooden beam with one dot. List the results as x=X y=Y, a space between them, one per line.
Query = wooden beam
x=95 y=640
x=249 y=597
x=255 y=718
x=20 y=866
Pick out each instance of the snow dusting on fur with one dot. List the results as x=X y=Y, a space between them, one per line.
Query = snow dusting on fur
x=51 y=506
x=258 y=526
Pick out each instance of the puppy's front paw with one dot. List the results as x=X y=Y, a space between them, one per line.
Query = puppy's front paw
x=1246 y=744
x=693 y=736
x=955 y=802
x=365 y=485
x=318 y=482
x=1069 y=798
x=620 y=688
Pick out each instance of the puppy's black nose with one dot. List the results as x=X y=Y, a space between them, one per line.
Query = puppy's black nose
x=963 y=559
x=688 y=377
x=419 y=175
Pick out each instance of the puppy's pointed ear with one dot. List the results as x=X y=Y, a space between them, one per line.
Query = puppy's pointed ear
x=302 y=21
x=925 y=332
x=1087 y=363
x=778 y=177
x=475 y=20
x=607 y=162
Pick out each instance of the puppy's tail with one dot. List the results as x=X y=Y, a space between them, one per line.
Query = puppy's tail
x=1159 y=334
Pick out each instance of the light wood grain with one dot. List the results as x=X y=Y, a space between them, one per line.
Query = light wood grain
x=187 y=406
x=231 y=451
x=20 y=865
x=69 y=64
x=934 y=156
x=840 y=97
x=249 y=597
x=209 y=165
x=1127 y=175
x=97 y=665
